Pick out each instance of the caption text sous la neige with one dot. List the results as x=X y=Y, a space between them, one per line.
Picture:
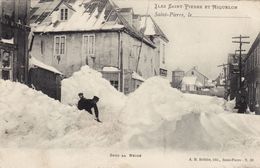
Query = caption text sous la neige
x=115 y=155
x=169 y=10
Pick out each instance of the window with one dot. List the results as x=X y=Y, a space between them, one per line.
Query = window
x=64 y=14
x=6 y=65
x=163 y=72
x=60 y=45
x=89 y=44
x=61 y=14
x=114 y=83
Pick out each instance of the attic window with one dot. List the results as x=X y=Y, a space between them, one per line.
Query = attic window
x=64 y=14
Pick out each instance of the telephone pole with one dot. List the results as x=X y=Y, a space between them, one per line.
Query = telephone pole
x=240 y=54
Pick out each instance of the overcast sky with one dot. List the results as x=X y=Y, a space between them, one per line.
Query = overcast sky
x=203 y=42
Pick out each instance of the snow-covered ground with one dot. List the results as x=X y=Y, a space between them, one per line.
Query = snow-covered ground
x=155 y=116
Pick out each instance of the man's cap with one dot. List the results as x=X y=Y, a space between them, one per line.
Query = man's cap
x=80 y=94
x=96 y=98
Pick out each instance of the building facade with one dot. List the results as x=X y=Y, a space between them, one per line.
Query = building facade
x=97 y=33
x=190 y=84
x=14 y=31
x=200 y=77
x=252 y=75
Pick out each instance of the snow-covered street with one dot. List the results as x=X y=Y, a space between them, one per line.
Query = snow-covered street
x=155 y=116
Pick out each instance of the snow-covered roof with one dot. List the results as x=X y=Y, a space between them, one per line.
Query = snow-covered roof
x=195 y=69
x=136 y=76
x=88 y=15
x=149 y=26
x=110 y=69
x=8 y=41
x=82 y=19
x=34 y=62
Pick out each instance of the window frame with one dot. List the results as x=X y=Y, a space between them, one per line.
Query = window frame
x=10 y=67
x=59 y=45
x=86 y=47
x=115 y=84
x=64 y=14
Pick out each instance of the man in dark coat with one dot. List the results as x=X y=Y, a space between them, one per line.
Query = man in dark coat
x=242 y=105
x=88 y=104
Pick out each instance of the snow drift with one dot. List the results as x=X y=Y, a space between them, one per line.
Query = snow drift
x=162 y=117
x=31 y=119
x=154 y=116
x=91 y=83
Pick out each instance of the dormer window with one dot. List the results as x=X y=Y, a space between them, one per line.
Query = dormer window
x=64 y=14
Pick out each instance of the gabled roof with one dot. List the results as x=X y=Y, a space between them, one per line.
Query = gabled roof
x=195 y=69
x=89 y=15
x=43 y=9
x=69 y=6
x=150 y=27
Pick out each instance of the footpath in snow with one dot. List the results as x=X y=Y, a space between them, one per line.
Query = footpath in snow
x=155 y=116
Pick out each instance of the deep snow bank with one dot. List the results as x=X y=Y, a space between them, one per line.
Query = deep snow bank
x=154 y=116
x=91 y=83
x=29 y=118
x=162 y=117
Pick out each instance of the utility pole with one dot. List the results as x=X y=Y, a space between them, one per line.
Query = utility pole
x=240 y=55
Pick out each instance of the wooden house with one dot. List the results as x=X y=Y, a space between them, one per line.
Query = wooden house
x=200 y=77
x=191 y=84
x=69 y=34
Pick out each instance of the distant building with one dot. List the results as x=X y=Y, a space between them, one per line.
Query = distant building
x=252 y=75
x=125 y=47
x=200 y=77
x=191 y=81
x=177 y=76
x=191 y=84
x=14 y=31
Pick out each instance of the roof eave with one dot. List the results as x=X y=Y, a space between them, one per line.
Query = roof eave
x=139 y=38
